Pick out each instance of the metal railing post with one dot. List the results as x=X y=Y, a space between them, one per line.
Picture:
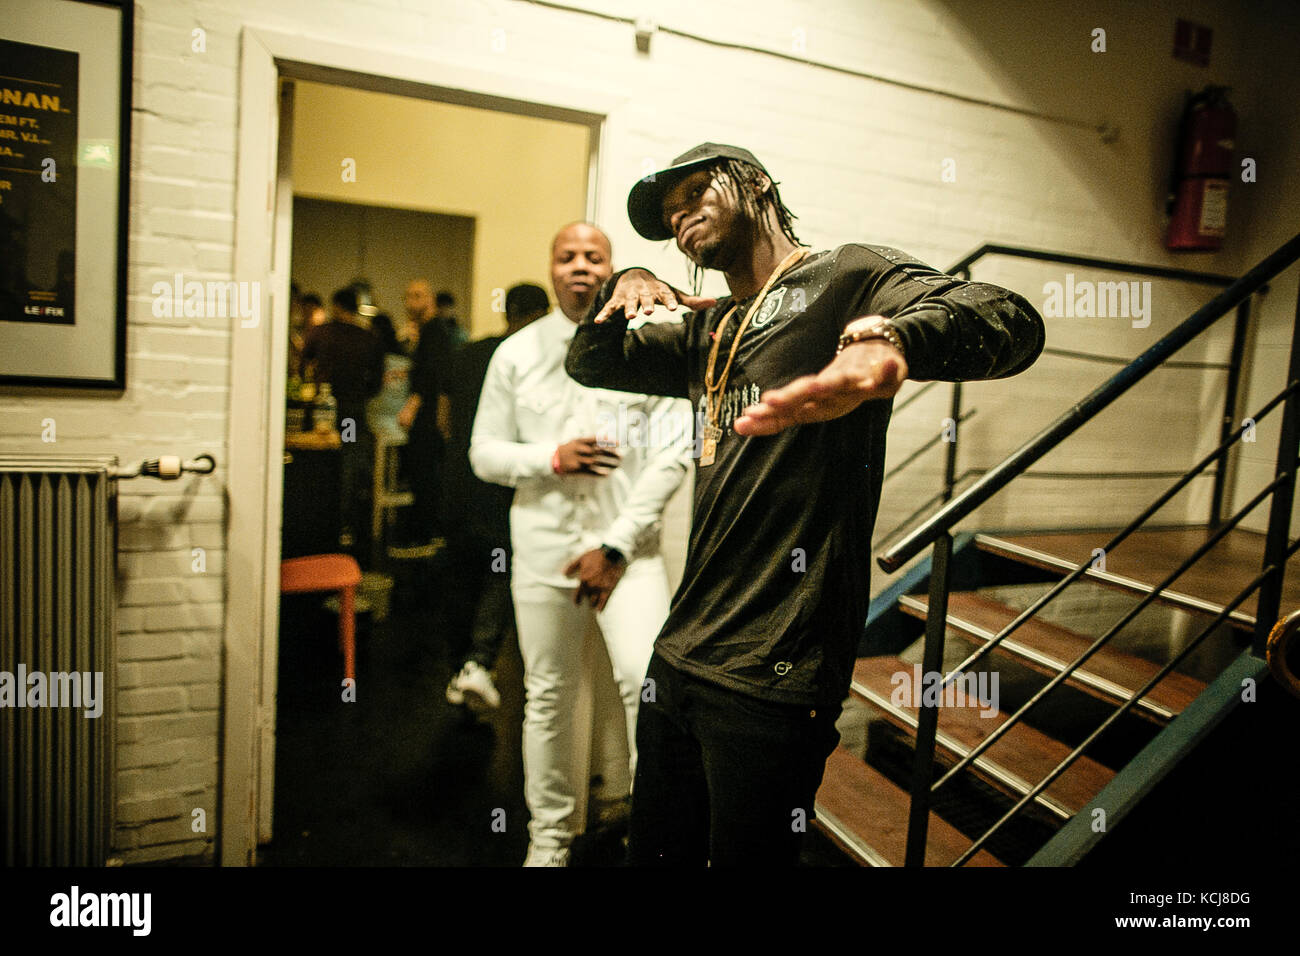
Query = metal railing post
x=927 y=726
x=950 y=455
x=1090 y=406
x=1239 y=326
x=1279 y=513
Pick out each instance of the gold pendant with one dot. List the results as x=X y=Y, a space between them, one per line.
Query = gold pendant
x=709 y=449
x=708 y=452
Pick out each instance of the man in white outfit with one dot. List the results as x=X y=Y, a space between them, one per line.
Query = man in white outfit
x=592 y=470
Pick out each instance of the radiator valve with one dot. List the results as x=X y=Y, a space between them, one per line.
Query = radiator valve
x=169 y=467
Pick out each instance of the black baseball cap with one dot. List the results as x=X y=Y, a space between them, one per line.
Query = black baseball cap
x=645 y=203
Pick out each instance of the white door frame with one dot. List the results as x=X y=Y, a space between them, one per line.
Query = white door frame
x=258 y=355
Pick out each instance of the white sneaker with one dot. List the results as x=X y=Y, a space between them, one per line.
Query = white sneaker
x=546 y=855
x=475 y=684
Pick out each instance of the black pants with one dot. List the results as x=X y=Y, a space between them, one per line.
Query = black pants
x=357 y=460
x=423 y=462
x=723 y=777
x=483 y=612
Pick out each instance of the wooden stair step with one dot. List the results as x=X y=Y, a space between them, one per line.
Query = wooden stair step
x=1032 y=550
x=866 y=815
x=1109 y=674
x=1017 y=762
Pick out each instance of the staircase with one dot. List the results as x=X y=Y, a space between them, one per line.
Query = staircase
x=1020 y=693
x=863 y=803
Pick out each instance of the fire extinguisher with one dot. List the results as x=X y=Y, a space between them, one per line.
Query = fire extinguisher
x=1198 y=194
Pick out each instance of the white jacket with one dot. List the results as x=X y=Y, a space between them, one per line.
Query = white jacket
x=528 y=407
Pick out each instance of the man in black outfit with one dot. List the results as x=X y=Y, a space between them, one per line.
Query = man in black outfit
x=792 y=377
x=424 y=447
x=349 y=357
x=478 y=512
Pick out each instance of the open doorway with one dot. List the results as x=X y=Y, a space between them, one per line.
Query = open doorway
x=502 y=254
x=463 y=201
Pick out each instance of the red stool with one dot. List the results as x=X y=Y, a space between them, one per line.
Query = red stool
x=328 y=572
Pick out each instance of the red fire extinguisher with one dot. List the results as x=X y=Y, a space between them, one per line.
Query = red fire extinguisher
x=1198 y=195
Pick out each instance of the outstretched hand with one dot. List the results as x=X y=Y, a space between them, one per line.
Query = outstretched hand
x=863 y=371
x=639 y=290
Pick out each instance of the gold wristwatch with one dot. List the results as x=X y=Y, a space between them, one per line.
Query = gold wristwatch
x=880 y=329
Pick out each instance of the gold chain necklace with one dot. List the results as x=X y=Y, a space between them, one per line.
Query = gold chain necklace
x=713 y=389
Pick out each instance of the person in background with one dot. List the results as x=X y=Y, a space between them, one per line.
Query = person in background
x=347 y=356
x=368 y=304
x=382 y=326
x=419 y=307
x=481 y=538
x=588 y=507
x=419 y=416
x=388 y=404
x=445 y=311
x=297 y=330
x=313 y=308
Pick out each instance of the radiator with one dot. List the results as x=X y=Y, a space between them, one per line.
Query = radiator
x=58 y=548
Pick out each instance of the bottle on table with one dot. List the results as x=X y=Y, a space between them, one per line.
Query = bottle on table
x=326 y=413
x=307 y=395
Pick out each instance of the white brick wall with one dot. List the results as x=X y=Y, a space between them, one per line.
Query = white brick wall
x=858 y=160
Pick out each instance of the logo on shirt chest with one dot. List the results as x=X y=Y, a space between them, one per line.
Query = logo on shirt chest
x=771 y=307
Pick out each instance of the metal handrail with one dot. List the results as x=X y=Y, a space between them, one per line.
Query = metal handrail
x=926 y=446
x=1085 y=410
x=925 y=506
x=1161 y=500
x=1164 y=672
x=1111 y=265
x=925 y=387
x=963 y=268
x=938 y=531
x=1114 y=629
x=1124 y=360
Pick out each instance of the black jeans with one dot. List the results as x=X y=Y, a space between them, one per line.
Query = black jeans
x=723 y=777
x=485 y=608
x=423 y=463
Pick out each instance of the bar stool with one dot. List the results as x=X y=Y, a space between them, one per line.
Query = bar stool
x=328 y=572
x=385 y=498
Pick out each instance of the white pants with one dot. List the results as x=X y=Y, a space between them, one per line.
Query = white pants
x=568 y=692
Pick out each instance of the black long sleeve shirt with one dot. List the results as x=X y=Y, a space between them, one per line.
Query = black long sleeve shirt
x=777 y=580
x=351 y=359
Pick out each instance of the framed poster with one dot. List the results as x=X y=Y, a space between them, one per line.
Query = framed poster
x=65 y=135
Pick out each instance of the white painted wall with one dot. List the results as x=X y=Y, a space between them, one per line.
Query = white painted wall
x=519 y=178
x=858 y=159
x=1271 y=216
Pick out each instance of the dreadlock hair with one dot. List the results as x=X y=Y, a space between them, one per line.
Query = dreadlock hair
x=742 y=181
